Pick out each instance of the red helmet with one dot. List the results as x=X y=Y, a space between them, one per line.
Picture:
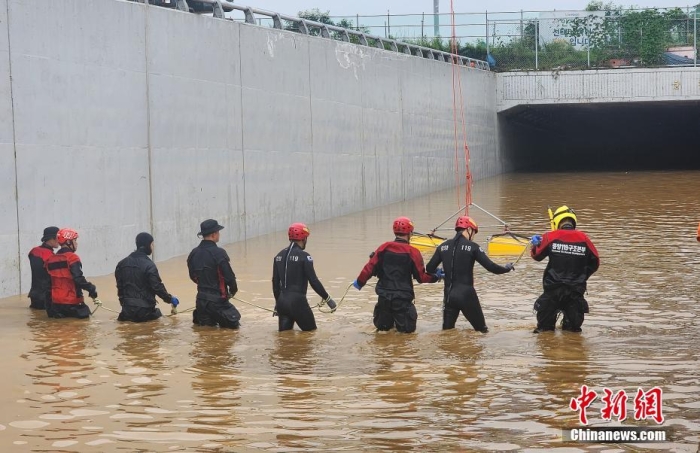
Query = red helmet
x=66 y=234
x=403 y=225
x=465 y=222
x=298 y=232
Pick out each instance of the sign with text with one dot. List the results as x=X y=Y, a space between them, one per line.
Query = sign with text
x=559 y=25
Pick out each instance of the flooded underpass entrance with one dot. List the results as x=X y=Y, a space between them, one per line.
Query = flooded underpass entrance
x=98 y=385
x=622 y=136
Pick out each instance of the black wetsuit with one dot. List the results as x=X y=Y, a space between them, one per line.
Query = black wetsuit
x=572 y=260
x=210 y=268
x=138 y=283
x=458 y=256
x=292 y=272
x=396 y=264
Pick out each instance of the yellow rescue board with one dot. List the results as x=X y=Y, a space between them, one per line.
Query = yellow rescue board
x=425 y=242
x=506 y=244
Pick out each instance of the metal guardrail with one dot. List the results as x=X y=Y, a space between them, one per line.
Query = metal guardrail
x=309 y=27
x=219 y=8
x=347 y=34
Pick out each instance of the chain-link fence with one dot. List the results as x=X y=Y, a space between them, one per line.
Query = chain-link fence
x=599 y=39
x=552 y=40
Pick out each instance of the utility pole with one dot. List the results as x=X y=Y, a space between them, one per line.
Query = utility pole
x=695 y=36
x=436 y=17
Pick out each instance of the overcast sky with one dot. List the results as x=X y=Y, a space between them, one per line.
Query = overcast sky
x=371 y=7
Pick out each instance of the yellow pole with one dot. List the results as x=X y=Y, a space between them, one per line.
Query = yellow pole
x=551 y=217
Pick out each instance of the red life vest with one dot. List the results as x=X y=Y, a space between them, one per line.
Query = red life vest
x=63 y=288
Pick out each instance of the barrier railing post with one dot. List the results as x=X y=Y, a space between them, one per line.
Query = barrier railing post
x=588 y=49
x=487 y=33
x=537 y=42
x=277 y=21
x=218 y=9
x=325 y=32
x=249 y=16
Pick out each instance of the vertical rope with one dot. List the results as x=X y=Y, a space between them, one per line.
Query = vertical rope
x=149 y=144
x=455 y=75
x=457 y=89
x=467 y=155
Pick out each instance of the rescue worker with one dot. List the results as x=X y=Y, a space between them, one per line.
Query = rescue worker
x=138 y=284
x=292 y=272
x=40 y=292
x=210 y=268
x=572 y=260
x=67 y=280
x=396 y=263
x=458 y=256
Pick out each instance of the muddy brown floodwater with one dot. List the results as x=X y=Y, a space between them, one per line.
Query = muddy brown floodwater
x=99 y=385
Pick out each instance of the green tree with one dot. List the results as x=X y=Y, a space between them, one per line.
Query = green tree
x=471 y=50
x=598 y=5
x=639 y=36
x=476 y=50
x=315 y=15
x=647 y=34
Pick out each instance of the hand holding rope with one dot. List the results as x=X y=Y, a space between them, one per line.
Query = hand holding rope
x=525 y=249
x=322 y=303
x=98 y=305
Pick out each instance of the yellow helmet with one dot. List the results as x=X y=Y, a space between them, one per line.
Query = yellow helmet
x=562 y=212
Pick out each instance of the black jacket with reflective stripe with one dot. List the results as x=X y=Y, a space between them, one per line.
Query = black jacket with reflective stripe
x=396 y=264
x=210 y=268
x=572 y=259
x=41 y=281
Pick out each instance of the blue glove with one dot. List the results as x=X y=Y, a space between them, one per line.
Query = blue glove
x=510 y=267
x=536 y=240
x=175 y=301
x=356 y=284
x=440 y=273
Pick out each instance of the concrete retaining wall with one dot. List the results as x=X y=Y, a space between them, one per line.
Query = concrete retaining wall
x=9 y=252
x=129 y=117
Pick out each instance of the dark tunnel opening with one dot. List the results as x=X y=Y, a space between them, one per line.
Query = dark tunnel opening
x=602 y=137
